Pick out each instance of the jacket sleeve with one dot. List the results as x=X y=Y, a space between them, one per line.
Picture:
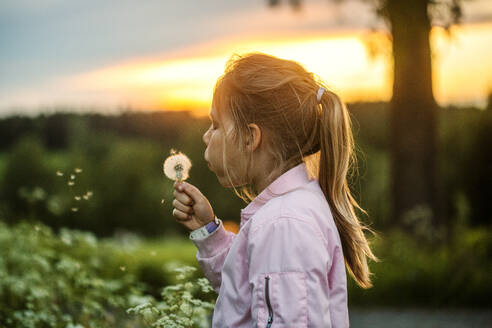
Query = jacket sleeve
x=211 y=254
x=288 y=263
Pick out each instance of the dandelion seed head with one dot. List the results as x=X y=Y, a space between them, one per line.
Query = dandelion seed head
x=177 y=166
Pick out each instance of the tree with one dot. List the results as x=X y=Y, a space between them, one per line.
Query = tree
x=413 y=109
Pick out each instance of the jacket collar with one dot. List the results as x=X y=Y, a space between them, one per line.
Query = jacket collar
x=287 y=181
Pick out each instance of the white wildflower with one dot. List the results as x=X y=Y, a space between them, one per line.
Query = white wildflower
x=85 y=197
x=67 y=240
x=77 y=197
x=59 y=173
x=89 y=193
x=176 y=166
x=74 y=209
x=77 y=170
x=71 y=183
x=72 y=176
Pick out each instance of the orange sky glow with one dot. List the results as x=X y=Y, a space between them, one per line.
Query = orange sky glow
x=185 y=79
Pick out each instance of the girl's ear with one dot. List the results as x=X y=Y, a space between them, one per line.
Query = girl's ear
x=254 y=136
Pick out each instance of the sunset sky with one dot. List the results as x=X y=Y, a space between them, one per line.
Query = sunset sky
x=168 y=54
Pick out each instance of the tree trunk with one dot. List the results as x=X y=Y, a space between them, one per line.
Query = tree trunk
x=413 y=117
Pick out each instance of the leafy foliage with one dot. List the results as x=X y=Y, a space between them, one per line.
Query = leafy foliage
x=418 y=270
x=69 y=280
x=49 y=280
x=178 y=308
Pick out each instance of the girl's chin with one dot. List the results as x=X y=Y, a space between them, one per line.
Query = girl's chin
x=224 y=181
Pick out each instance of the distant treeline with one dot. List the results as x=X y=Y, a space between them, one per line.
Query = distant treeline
x=56 y=130
x=121 y=157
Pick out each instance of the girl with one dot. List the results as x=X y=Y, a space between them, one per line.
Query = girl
x=287 y=141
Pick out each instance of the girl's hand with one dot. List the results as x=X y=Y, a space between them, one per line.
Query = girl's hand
x=191 y=208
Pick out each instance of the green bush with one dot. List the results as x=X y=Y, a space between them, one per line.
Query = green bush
x=416 y=272
x=72 y=279
x=178 y=308
x=49 y=280
x=26 y=168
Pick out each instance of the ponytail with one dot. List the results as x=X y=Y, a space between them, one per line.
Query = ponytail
x=336 y=155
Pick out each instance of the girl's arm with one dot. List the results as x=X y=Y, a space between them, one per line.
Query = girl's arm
x=212 y=249
x=211 y=254
x=289 y=262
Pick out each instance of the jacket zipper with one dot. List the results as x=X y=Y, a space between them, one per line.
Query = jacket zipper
x=270 y=312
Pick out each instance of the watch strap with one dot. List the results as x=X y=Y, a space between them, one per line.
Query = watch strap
x=205 y=230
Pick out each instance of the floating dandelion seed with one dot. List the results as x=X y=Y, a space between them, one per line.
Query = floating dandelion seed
x=77 y=197
x=176 y=166
x=74 y=209
x=72 y=176
x=71 y=183
x=59 y=173
x=77 y=170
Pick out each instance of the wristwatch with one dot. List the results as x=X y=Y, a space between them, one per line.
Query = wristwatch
x=206 y=230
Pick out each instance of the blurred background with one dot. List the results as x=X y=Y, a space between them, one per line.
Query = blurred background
x=94 y=95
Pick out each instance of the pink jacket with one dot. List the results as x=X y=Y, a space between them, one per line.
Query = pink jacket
x=285 y=267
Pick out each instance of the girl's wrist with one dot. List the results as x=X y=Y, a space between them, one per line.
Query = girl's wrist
x=214 y=219
x=206 y=229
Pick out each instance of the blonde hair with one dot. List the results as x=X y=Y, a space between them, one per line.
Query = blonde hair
x=280 y=96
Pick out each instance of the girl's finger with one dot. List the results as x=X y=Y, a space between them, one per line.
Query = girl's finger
x=182 y=207
x=182 y=197
x=191 y=191
x=181 y=216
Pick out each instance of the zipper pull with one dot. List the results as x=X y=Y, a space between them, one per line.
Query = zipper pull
x=270 y=311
